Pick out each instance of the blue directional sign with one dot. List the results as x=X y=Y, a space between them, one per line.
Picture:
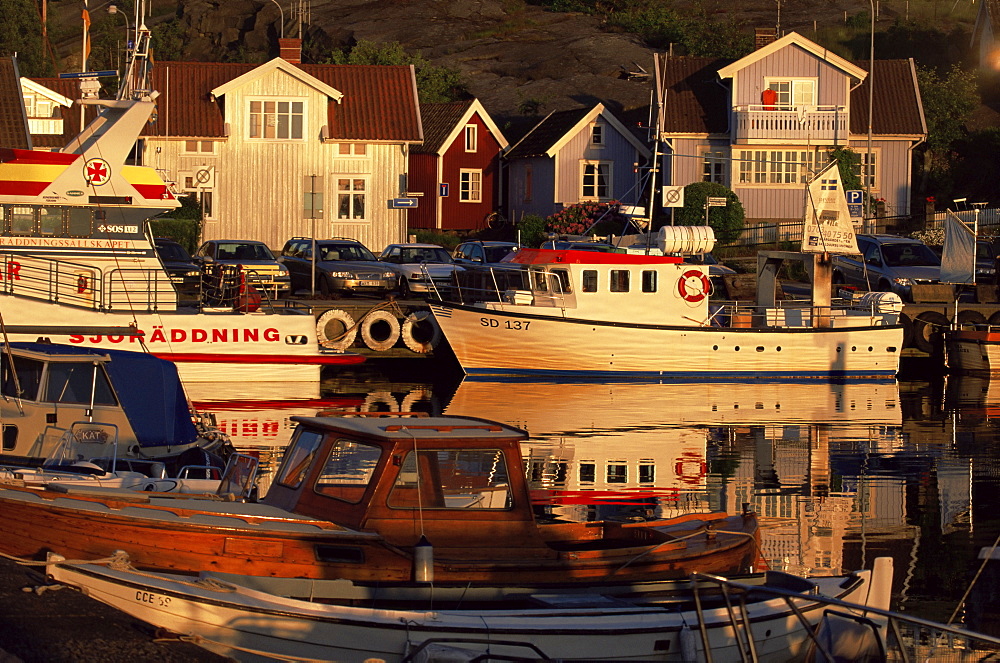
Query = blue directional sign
x=402 y=203
x=443 y=189
x=89 y=74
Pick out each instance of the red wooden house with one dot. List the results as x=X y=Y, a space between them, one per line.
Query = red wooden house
x=456 y=171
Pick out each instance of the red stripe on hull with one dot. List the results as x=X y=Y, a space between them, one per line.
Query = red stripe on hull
x=13 y=188
x=309 y=360
x=153 y=191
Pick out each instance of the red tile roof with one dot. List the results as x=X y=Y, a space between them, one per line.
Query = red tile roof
x=379 y=102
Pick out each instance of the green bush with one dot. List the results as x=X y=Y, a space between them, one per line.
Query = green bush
x=447 y=240
x=185 y=232
x=727 y=222
x=531 y=228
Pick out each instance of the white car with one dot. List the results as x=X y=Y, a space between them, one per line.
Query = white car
x=423 y=267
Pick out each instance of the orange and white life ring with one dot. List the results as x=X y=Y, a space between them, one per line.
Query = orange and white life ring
x=694 y=286
x=690 y=468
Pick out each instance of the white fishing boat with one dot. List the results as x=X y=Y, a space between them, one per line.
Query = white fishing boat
x=77 y=259
x=767 y=617
x=612 y=315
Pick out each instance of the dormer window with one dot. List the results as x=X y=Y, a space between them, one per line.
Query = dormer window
x=471 y=138
x=276 y=119
x=789 y=93
x=597 y=135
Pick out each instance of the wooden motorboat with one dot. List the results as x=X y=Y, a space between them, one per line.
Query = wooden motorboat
x=379 y=500
x=767 y=617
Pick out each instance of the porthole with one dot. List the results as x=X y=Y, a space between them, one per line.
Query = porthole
x=715 y=347
x=737 y=348
x=854 y=348
x=778 y=348
x=760 y=348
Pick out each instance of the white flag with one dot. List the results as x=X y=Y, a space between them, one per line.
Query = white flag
x=828 y=227
x=958 y=258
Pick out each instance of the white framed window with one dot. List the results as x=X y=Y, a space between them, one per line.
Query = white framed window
x=595 y=180
x=780 y=167
x=597 y=135
x=470 y=188
x=276 y=119
x=792 y=93
x=867 y=170
x=713 y=167
x=199 y=147
x=352 y=149
x=352 y=198
x=471 y=138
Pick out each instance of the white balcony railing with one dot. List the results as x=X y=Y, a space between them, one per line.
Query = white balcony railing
x=45 y=126
x=777 y=123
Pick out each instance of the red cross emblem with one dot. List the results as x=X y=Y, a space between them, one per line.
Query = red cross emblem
x=97 y=172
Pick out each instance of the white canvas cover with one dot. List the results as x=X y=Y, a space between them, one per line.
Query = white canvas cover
x=958 y=258
x=828 y=227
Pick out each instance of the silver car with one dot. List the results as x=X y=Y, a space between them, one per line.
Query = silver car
x=888 y=263
x=423 y=267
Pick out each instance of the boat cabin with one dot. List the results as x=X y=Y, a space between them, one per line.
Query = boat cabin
x=132 y=396
x=459 y=481
x=626 y=287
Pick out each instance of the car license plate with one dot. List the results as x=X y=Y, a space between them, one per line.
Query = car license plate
x=373 y=284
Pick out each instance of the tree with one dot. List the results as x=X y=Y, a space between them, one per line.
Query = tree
x=21 y=34
x=948 y=102
x=727 y=222
x=434 y=84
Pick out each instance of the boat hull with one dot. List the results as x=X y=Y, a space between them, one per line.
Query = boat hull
x=205 y=346
x=191 y=535
x=246 y=624
x=973 y=351
x=490 y=342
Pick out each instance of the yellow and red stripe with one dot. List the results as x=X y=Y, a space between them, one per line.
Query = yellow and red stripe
x=29 y=172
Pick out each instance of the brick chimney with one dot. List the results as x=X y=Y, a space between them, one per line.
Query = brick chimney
x=761 y=37
x=291 y=49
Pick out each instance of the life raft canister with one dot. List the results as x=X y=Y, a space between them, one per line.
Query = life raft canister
x=693 y=286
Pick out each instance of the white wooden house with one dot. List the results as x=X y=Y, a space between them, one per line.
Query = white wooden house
x=285 y=149
x=763 y=125
x=571 y=157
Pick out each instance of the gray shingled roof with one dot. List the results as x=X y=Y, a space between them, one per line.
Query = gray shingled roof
x=547 y=133
x=439 y=120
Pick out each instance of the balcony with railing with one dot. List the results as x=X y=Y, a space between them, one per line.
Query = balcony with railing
x=759 y=123
x=45 y=126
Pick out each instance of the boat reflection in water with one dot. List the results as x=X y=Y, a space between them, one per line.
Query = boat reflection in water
x=668 y=449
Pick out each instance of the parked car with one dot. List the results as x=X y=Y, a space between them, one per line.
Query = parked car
x=483 y=252
x=987 y=251
x=421 y=266
x=888 y=263
x=183 y=271
x=263 y=268
x=343 y=267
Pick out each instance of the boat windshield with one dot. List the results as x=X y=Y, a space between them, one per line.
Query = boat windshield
x=452 y=479
x=25 y=378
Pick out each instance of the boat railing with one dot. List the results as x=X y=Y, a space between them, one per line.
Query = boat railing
x=901 y=637
x=58 y=281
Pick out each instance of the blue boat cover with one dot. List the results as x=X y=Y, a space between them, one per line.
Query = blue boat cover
x=148 y=388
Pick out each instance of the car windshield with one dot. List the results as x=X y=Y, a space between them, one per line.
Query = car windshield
x=344 y=252
x=909 y=255
x=424 y=254
x=497 y=253
x=172 y=253
x=234 y=251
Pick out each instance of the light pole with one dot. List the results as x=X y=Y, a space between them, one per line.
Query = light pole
x=281 y=12
x=866 y=169
x=113 y=9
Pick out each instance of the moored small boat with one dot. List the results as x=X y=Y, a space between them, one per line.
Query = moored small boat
x=386 y=499
x=767 y=617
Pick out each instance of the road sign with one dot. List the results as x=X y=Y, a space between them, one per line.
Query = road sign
x=855 y=197
x=855 y=211
x=443 y=189
x=673 y=196
x=402 y=203
x=716 y=202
